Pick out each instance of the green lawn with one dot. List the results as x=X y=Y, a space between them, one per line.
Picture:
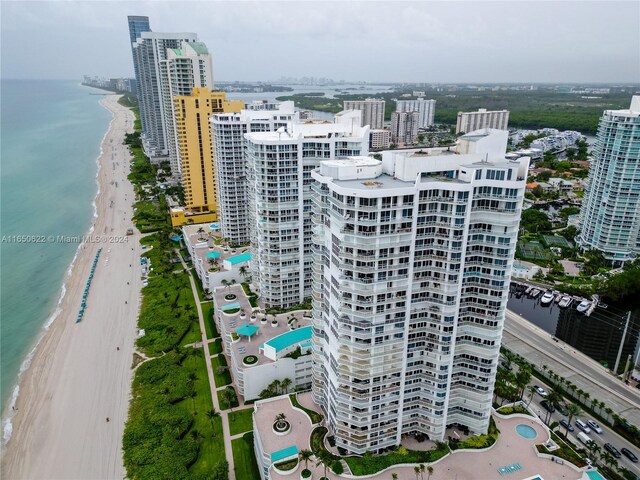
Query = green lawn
x=215 y=347
x=245 y=459
x=242 y=421
x=207 y=313
x=221 y=379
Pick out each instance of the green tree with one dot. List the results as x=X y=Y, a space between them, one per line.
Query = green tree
x=211 y=415
x=416 y=470
x=574 y=410
x=523 y=377
x=285 y=384
x=535 y=221
x=305 y=456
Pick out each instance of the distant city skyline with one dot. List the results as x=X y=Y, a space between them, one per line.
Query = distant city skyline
x=431 y=42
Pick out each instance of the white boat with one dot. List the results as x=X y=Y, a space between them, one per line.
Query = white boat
x=547 y=298
x=535 y=293
x=583 y=306
x=528 y=290
x=558 y=296
x=565 y=301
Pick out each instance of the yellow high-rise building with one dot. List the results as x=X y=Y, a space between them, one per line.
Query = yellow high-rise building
x=195 y=152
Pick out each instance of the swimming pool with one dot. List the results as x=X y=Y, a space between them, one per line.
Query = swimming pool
x=212 y=255
x=290 y=338
x=214 y=226
x=245 y=257
x=595 y=475
x=525 y=431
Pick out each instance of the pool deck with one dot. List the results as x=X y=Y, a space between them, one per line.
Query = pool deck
x=483 y=465
x=231 y=323
x=209 y=237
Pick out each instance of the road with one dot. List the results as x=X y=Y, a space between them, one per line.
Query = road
x=539 y=348
x=607 y=435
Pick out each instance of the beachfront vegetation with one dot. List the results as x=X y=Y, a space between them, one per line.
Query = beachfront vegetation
x=172 y=430
x=369 y=464
x=242 y=421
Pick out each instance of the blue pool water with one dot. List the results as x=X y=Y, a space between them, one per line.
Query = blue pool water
x=290 y=338
x=526 y=431
x=214 y=226
x=245 y=257
x=595 y=475
x=231 y=306
x=284 y=453
x=212 y=255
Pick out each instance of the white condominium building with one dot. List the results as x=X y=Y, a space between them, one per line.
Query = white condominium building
x=412 y=258
x=186 y=67
x=471 y=121
x=280 y=165
x=150 y=55
x=227 y=133
x=426 y=109
x=372 y=111
x=404 y=127
x=610 y=214
x=379 y=139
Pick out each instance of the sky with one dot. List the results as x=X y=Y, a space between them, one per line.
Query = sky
x=373 y=41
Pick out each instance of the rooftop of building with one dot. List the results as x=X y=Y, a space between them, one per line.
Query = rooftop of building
x=208 y=246
x=632 y=111
x=255 y=330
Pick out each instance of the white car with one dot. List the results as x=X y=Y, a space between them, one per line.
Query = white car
x=594 y=426
x=541 y=391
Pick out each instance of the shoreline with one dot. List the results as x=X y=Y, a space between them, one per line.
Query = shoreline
x=67 y=374
x=9 y=411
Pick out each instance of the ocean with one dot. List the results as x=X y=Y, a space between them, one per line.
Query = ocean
x=51 y=135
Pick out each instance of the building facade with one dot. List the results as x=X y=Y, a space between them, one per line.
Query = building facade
x=186 y=67
x=610 y=213
x=195 y=150
x=426 y=109
x=151 y=52
x=137 y=25
x=471 y=121
x=412 y=257
x=379 y=139
x=279 y=179
x=227 y=133
x=372 y=111
x=404 y=127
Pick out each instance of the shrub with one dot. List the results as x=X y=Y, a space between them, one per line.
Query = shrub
x=306 y=473
x=336 y=467
x=287 y=465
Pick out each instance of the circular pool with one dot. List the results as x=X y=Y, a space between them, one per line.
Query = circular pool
x=214 y=226
x=526 y=431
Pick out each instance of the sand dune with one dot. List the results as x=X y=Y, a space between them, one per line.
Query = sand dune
x=78 y=378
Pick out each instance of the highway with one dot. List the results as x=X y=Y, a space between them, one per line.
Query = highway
x=539 y=348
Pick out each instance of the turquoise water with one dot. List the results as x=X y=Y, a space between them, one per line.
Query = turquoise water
x=290 y=338
x=284 y=453
x=526 y=431
x=595 y=475
x=212 y=254
x=245 y=257
x=51 y=134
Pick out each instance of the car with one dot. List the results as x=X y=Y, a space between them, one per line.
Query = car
x=582 y=425
x=629 y=454
x=541 y=391
x=562 y=409
x=612 y=450
x=566 y=425
x=506 y=365
x=548 y=406
x=594 y=426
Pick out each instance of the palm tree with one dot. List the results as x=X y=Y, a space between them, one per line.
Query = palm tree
x=416 y=470
x=276 y=386
x=509 y=356
x=608 y=459
x=281 y=421
x=594 y=449
x=211 y=414
x=195 y=434
x=285 y=384
x=244 y=272
x=532 y=391
x=523 y=377
x=553 y=398
x=421 y=471
x=394 y=476
x=324 y=459
x=228 y=395
x=594 y=402
x=305 y=456
x=574 y=410
x=430 y=471
x=608 y=411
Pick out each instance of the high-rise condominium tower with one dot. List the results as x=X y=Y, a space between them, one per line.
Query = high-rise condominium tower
x=412 y=257
x=195 y=151
x=610 y=214
x=372 y=111
x=137 y=25
x=227 y=132
x=425 y=108
x=404 y=127
x=471 y=121
x=169 y=64
x=280 y=165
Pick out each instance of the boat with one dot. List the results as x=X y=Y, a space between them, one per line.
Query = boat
x=558 y=296
x=565 y=301
x=547 y=298
x=528 y=290
x=535 y=293
x=583 y=306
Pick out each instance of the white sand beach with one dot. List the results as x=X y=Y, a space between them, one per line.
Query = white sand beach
x=77 y=377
